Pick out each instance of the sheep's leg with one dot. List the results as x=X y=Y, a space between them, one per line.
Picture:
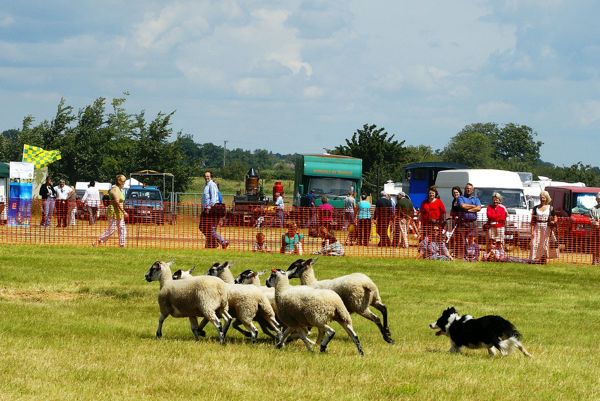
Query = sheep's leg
x=161 y=319
x=350 y=330
x=329 y=333
x=385 y=332
x=237 y=325
x=226 y=328
x=200 y=328
x=194 y=326
x=284 y=336
x=253 y=330
x=217 y=323
x=307 y=341
x=380 y=306
x=265 y=325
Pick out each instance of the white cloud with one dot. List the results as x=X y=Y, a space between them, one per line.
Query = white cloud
x=252 y=87
x=313 y=92
x=495 y=111
x=588 y=113
x=6 y=21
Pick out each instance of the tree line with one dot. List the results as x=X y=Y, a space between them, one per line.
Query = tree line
x=102 y=139
x=511 y=147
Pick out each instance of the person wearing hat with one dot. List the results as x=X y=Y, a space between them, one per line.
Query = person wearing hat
x=91 y=200
x=404 y=218
x=115 y=213
x=383 y=216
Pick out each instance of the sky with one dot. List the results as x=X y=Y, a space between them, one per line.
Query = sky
x=298 y=76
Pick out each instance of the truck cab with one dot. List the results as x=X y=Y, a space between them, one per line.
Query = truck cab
x=332 y=176
x=575 y=203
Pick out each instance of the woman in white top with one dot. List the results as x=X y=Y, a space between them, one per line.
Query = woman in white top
x=543 y=220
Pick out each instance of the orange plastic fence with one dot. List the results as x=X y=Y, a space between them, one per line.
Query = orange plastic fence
x=179 y=226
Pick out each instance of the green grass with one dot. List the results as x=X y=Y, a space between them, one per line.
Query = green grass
x=79 y=324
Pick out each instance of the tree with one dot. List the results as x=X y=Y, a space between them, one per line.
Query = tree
x=516 y=143
x=472 y=148
x=382 y=156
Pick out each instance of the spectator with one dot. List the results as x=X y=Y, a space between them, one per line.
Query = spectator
x=383 y=216
x=349 y=210
x=404 y=219
x=433 y=211
x=2 y=207
x=543 y=220
x=469 y=205
x=325 y=213
x=72 y=208
x=291 y=242
x=62 y=194
x=115 y=213
x=364 y=221
x=595 y=219
x=211 y=215
x=311 y=215
x=279 y=210
x=330 y=245
x=48 y=194
x=471 y=248
x=260 y=245
x=496 y=252
x=455 y=213
x=91 y=201
x=433 y=247
x=496 y=219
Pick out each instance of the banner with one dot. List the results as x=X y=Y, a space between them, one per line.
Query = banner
x=40 y=157
x=20 y=194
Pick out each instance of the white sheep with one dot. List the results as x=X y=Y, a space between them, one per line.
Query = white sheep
x=357 y=291
x=183 y=274
x=303 y=306
x=197 y=296
x=247 y=303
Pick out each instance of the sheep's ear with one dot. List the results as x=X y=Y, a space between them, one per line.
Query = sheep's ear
x=192 y=269
x=226 y=265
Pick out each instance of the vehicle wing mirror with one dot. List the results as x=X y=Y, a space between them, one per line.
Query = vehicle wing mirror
x=530 y=203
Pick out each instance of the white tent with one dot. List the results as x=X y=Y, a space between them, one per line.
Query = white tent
x=132 y=181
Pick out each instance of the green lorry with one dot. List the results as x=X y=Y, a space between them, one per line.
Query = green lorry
x=326 y=175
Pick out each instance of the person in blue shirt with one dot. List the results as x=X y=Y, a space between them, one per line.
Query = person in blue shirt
x=210 y=216
x=468 y=206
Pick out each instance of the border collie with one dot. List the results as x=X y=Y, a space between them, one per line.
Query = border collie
x=492 y=332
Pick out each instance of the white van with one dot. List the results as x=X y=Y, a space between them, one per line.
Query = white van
x=486 y=182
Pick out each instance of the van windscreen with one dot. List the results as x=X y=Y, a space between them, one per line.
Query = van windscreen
x=512 y=198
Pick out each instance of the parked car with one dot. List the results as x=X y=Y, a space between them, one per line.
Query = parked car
x=144 y=204
x=575 y=203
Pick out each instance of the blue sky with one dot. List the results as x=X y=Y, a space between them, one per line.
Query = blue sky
x=300 y=76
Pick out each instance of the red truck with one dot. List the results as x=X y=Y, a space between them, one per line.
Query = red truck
x=573 y=204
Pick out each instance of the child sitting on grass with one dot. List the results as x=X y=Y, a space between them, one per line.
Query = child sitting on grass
x=260 y=245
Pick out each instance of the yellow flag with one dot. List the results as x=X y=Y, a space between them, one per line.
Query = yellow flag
x=40 y=157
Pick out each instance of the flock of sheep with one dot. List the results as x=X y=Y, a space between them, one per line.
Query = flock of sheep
x=280 y=309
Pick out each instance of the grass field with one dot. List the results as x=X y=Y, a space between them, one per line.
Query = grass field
x=79 y=323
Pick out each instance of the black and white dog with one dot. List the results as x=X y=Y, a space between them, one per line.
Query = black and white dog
x=492 y=332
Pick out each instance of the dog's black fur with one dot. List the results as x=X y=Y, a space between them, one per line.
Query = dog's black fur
x=492 y=332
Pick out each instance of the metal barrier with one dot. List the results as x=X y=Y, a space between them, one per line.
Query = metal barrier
x=178 y=227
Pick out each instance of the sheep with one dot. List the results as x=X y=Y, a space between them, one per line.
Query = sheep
x=357 y=291
x=182 y=274
x=196 y=296
x=303 y=306
x=247 y=303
